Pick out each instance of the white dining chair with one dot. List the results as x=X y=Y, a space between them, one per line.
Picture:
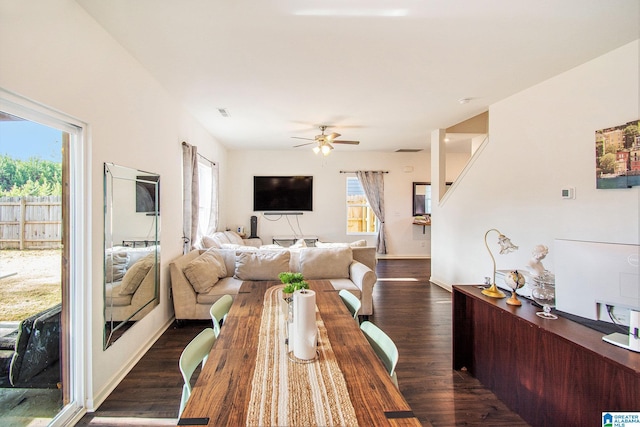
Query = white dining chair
x=384 y=347
x=219 y=311
x=194 y=353
x=351 y=301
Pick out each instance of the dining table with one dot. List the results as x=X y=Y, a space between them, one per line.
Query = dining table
x=251 y=378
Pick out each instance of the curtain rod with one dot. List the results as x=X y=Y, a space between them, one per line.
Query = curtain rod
x=365 y=171
x=186 y=144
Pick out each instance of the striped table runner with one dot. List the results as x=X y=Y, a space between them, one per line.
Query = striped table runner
x=286 y=393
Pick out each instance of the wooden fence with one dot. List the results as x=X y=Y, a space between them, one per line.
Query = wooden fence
x=31 y=222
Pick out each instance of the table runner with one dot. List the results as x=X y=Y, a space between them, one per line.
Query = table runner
x=284 y=392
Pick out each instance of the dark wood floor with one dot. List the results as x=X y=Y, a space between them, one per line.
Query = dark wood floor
x=415 y=313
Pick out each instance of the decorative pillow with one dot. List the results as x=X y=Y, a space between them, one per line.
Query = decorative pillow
x=231 y=246
x=272 y=246
x=358 y=243
x=234 y=238
x=209 y=242
x=247 y=249
x=331 y=245
x=116 y=266
x=136 y=273
x=204 y=271
x=261 y=265
x=136 y=254
x=325 y=263
x=299 y=244
x=217 y=239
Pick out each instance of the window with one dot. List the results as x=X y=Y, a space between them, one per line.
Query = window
x=207 y=197
x=360 y=216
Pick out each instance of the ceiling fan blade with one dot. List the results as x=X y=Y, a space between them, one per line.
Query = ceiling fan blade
x=333 y=136
x=346 y=142
x=302 y=145
x=299 y=137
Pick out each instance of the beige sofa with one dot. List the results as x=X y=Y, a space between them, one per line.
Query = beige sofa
x=130 y=283
x=198 y=279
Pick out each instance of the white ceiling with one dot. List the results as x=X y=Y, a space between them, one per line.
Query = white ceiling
x=385 y=72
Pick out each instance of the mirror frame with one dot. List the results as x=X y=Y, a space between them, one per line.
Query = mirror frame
x=418 y=201
x=124 y=191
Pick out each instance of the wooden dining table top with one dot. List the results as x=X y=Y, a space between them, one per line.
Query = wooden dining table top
x=222 y=391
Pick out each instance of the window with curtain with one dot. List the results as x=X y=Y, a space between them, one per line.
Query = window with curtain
x=360 y=216
x=207 y=198
x=200 y=192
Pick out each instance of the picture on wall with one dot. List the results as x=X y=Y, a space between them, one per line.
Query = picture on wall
x=618 y=156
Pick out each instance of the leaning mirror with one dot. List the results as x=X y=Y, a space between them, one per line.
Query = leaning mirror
x=131 y=247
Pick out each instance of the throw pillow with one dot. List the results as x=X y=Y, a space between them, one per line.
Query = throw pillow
x=231 y=246
x=358 y=243
x=208 y=242
x=234 y=238
x=136 y=273
x=301 y=243
x=325 y=263
x=116 y=266
x=272 y=246
x=261 y=265
x=204 y=271
x=331 y=245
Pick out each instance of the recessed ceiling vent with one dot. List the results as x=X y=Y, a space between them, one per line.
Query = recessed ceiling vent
x=223 y=112
x=408 y=150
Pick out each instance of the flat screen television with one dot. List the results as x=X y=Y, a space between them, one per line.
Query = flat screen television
x=282 y=193
x=146 y=193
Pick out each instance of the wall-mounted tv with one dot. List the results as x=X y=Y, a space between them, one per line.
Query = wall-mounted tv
x=282 y=193
x=146 y=193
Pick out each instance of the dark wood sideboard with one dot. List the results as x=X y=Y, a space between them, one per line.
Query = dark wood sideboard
x=551 y=372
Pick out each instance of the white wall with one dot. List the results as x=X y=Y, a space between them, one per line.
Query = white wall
x=53 y=53
x=541 y=140
x=328 y=219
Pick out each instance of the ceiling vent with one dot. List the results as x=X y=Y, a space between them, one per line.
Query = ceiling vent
x=408 y=150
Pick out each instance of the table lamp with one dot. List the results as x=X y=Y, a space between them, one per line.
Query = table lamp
x=505 y=247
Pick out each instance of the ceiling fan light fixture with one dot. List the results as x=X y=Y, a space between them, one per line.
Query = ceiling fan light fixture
x=316 y=149
x=326 y=149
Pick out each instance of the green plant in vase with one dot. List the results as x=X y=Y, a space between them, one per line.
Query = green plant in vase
x=293 y=282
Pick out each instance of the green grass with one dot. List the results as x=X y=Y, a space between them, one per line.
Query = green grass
x=18 y=305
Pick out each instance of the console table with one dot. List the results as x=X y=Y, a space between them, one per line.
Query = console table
x=290 y=240
x=138 y=243
x=551 y=372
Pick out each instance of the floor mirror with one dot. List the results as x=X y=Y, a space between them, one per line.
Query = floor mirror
x=131 y=247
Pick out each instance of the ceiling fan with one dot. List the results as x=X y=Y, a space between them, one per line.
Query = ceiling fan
x=323 y=142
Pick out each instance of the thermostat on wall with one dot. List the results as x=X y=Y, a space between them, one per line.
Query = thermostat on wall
x=568 y=193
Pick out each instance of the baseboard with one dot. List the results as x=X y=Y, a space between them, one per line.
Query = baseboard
x=93 y=404
x=443 y=285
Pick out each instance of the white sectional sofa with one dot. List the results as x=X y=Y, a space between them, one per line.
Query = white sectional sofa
x=201 y=277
